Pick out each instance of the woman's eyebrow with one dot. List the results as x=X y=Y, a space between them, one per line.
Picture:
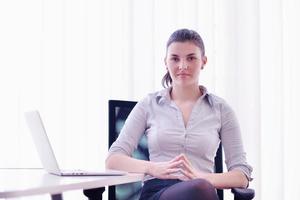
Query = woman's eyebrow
x=191 y=54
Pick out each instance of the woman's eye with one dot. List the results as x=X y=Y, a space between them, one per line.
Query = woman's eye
x=191 y=58
x=175 y=59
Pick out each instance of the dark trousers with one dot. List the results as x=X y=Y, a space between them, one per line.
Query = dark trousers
x=197 y=189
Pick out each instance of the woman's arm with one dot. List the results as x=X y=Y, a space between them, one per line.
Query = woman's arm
x=126 y=163
x=231 y=179
x=235 y=156
x=162 y=170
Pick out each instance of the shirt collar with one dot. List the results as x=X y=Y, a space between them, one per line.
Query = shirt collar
x=163 y=96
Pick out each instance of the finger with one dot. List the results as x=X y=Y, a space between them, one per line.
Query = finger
x=173 y=173
x=177 y=158
x=175 y=164
x=173 y=170
x=186 y=159
x=188 y=167
x=187 y=174
x=183 y=178
x=170 y=177
x=182 y=157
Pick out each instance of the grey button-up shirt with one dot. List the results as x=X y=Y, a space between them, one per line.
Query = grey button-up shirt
x=211 y=121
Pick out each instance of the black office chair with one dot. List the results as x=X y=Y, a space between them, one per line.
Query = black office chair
x=118 y=112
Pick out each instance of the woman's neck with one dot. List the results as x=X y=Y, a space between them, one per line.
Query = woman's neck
x=184 y=94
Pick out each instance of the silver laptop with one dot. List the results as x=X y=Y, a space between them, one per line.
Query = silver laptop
x=46 y=153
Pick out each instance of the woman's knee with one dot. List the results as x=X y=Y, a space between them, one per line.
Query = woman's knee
x=202 y=189
x=202 y=184
x=192 y=189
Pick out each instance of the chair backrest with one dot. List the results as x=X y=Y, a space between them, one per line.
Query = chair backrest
x=118 y=112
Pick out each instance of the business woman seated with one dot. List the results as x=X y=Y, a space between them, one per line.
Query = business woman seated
x=184 y=125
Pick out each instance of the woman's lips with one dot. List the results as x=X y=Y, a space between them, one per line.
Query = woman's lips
x=183 y=74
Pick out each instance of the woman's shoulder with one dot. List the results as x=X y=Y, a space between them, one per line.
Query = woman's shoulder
x=214 y=99
x=155 y=97
x=217 y=101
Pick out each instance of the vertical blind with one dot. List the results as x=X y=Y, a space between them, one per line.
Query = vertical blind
x=67 y=58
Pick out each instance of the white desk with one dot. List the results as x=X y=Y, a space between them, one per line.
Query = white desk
x=25 y=182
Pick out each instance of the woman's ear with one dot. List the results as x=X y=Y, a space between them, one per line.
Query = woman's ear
x=204 y=60
x=165 y=61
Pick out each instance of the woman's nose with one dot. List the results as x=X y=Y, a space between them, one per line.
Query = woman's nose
x=182 y=65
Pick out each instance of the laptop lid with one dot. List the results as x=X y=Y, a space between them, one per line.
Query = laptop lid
x=46 y=153
x=42 y=142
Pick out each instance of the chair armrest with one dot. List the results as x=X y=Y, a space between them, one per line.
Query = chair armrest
x=243 y=194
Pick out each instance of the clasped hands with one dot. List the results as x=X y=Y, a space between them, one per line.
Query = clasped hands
x=170 y=169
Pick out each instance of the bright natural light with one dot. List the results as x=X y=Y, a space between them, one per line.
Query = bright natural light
x=67 y=58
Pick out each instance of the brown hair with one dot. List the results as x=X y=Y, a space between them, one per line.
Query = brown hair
x=182 y=35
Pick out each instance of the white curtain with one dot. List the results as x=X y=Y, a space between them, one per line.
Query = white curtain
x=67 y=58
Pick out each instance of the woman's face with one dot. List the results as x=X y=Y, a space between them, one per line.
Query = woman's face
x=184 y=61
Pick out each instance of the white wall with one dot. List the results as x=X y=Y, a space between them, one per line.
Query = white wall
x=68 y=57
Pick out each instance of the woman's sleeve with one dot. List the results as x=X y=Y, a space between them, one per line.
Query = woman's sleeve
x=134 y=127
x=235 y=156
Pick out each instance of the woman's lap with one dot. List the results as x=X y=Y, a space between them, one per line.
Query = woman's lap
x=153 y=188
x=158 y=189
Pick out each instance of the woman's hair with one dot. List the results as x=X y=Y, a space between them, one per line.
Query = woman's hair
x=182 y=35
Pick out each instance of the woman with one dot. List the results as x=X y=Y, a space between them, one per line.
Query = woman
x=184 y=125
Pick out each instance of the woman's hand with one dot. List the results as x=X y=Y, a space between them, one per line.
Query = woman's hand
x=165 y=170
x=187 y=169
